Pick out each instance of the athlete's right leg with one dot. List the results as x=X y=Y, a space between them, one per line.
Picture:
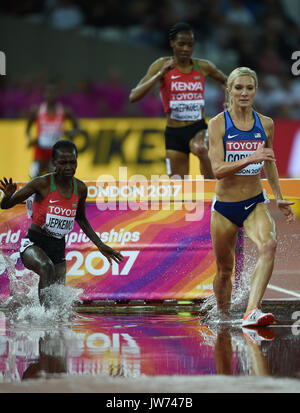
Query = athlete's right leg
x=61 y=271
x=35 y=259
x=224 y=238
x=177 y=163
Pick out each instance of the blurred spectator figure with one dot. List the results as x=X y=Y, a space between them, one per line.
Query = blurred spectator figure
x=296 y=91
x=112 y=94
x=252 y=33
x=135 y=11
x=33 y=87
x=151 y=106
x=19 y=93
x=22 y=7
x=292 y=9
x=269 y=61
x=97 y=14
x=66 y=15
x=283 y=97
x=182 y=10
x=12 y=97
x=239 y=14
x=83 y=100
x=247 y=56
x=279 y=96
x=263 y=101
x=146 y=33
x=214 y=99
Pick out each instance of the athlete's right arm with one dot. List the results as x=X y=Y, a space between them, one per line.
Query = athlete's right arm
x=31 y=119
x=222 y=168
x=155 y=73
x=12 y=197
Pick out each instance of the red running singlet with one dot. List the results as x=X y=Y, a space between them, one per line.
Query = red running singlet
x=182 y=94
x=56 y=214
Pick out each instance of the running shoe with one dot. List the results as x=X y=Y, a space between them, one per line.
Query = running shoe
x=257 y=318
x=259 y=334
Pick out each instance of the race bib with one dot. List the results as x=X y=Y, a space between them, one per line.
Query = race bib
x=58 y=226
x=236 y=150
x=187 y=110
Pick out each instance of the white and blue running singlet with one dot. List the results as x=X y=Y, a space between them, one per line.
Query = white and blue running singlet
x=238 y=144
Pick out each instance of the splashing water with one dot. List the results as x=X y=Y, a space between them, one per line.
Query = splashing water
x=239 y=297
x=59 y=303
x=23 y=304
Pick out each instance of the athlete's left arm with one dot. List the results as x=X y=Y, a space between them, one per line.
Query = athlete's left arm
x=208 y=68
x=272 y=175
x=86 y=227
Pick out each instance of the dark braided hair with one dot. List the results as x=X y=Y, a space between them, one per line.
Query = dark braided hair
x=63 y=144
x=179 y=27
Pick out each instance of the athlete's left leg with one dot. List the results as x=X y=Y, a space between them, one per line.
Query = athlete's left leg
x=260 y=228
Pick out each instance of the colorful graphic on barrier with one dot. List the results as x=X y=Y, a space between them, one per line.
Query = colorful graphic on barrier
x=166 y=256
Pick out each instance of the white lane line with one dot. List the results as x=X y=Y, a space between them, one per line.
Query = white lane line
x=287 y=272
x=283 y=290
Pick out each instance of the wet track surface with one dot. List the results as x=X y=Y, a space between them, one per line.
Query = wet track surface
x=137 y=345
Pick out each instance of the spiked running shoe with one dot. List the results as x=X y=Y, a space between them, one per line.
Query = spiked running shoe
x=257 y=318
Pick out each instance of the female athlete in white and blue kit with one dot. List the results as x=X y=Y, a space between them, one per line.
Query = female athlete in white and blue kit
x=240 y=146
